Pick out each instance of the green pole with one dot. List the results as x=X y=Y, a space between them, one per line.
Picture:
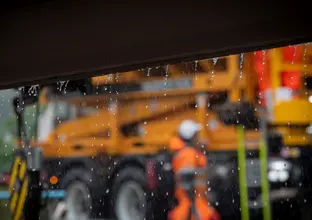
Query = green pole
x=264 y=181
x=263 y=156
x=242 y=174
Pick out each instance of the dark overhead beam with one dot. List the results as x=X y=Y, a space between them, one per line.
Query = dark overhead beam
x=52 y=40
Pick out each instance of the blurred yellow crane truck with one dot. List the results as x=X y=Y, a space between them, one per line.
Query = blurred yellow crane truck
x=107 y=138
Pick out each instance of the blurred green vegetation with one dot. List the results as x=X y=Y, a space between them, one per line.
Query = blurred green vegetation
x=9 y=135
x=8 y=127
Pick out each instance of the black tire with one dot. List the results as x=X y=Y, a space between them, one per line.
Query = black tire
x=90 y=181
x=126 y=177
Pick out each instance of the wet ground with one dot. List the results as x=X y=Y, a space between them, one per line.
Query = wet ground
x=5 y=214
x=292 y=212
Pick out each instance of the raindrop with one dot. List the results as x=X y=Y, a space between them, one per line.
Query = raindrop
x=167 y=71
x=215 y=60
x=148 y=71
x=295 y=50
x=196 y=65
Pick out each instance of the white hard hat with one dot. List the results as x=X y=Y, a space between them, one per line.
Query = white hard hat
x=188 y=129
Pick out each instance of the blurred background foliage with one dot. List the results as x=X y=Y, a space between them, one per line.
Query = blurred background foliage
x=8 y=127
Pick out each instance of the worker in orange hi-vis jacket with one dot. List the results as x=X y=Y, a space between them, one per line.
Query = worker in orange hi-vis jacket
x=188 y=156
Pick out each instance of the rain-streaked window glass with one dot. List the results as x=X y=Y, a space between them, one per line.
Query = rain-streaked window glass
x=231 y=133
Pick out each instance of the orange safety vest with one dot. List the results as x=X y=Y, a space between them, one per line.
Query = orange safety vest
x=176 y=144
x=188 y=157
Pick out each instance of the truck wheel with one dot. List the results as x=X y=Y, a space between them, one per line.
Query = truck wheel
x=82 y=194
x=129 y=195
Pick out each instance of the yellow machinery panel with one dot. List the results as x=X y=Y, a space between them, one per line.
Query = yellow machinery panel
x=295 y=136
x=297 y=111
